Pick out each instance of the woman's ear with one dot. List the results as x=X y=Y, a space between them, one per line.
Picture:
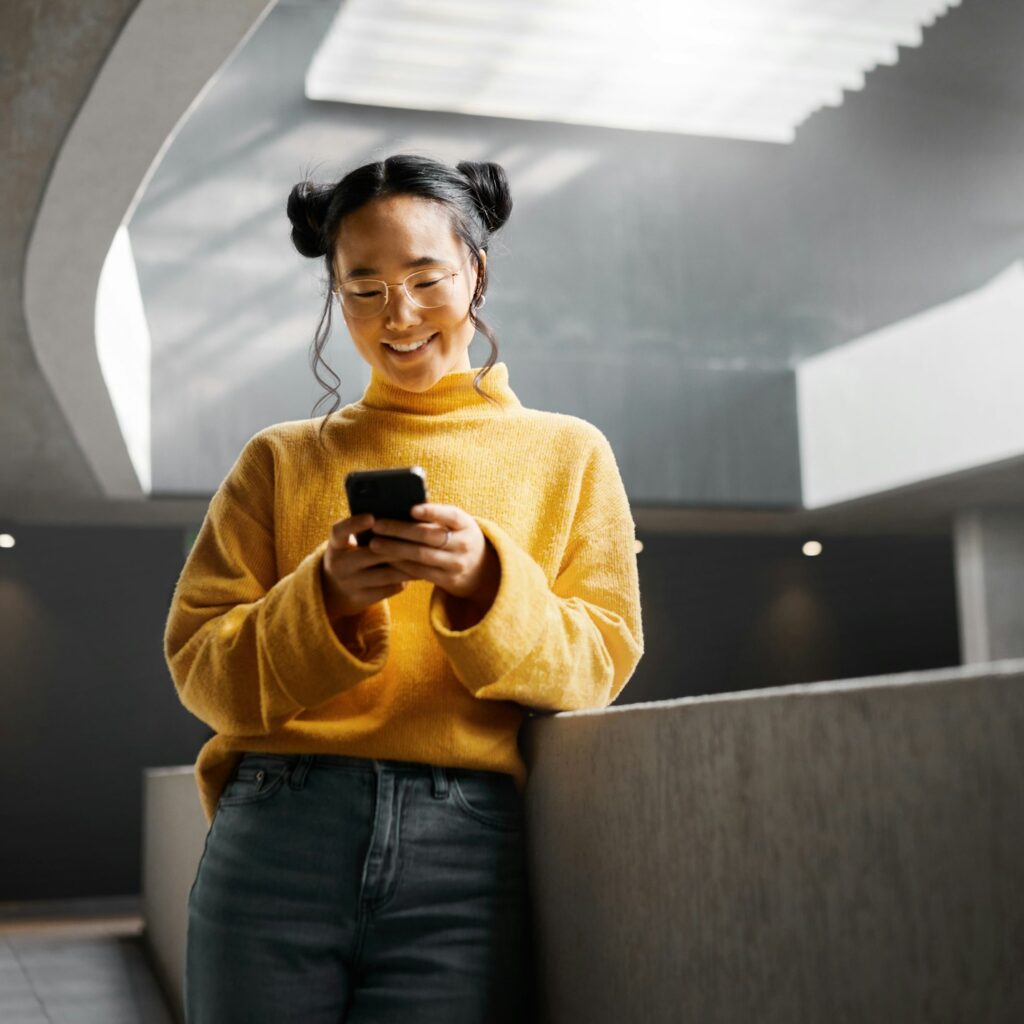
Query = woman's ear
x=481 y=269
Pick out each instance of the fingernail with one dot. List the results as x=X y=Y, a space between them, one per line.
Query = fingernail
x=418 y=508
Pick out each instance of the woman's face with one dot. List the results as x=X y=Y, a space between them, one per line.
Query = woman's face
x=383 y=239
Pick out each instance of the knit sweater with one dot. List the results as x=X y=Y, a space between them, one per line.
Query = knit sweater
x=254 y=655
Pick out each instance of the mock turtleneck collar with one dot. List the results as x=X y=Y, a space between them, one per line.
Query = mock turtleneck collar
x=452 y=394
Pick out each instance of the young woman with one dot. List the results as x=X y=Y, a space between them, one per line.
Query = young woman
x=365 y=858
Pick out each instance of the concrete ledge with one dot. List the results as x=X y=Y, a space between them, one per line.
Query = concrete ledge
x=846 y=851
x=173 y=836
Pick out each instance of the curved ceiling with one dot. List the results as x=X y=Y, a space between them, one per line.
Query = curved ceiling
x=164 y=57
x=120 y=134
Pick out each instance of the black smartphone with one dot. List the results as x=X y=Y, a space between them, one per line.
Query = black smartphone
x=385 y=494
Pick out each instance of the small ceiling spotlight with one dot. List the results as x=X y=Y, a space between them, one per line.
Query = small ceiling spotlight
x=6 y=540
x=811 y=548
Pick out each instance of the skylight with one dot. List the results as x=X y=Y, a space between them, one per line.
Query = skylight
x=746 y=69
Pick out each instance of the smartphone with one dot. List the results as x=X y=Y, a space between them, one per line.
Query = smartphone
x=385 y=494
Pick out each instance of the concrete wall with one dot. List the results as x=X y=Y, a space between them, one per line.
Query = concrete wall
x=919 y=400
x=173 y=839
x=51 y=52
x=989 y=553
x=844 y=851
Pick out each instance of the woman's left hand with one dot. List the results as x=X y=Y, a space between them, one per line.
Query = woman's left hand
x=464 y=565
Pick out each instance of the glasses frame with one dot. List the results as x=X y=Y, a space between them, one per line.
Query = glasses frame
x=387 y=290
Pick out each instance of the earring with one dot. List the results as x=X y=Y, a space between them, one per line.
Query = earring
x=481 y=301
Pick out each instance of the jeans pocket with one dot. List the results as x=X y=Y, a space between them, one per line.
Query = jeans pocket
x=256 y=778
x=491 y=799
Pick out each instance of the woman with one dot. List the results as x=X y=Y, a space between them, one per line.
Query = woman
x=365 y=857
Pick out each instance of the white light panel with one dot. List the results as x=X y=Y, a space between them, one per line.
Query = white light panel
x=746 y=69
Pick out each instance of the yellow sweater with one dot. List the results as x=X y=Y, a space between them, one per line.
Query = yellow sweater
x=253 y=654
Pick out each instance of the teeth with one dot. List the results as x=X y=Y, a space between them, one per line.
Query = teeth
x=408 y=348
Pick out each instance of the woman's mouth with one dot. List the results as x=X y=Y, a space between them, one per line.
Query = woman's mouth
x=409 y=353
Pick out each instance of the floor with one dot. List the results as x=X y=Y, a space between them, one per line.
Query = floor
x=77 y=971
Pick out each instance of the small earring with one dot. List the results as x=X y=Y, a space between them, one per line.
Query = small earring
x=481 y=301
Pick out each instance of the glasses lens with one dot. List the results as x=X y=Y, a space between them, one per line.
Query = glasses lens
x=363 y=297
x=429 y=288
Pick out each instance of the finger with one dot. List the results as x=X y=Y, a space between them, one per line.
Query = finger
x=427 y=553
x=422 y=571
x=395 y=528
x=446 y=515
x=344 y=529
x=429 y=535
x=381 y=575
x=388 y=590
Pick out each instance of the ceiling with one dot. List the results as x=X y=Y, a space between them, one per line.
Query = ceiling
x=965 y=78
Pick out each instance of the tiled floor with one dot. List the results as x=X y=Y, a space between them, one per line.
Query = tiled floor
x=77 y=972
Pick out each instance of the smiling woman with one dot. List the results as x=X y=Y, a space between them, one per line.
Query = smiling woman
x=414 y=329
x=364 y=785
x=404 y=242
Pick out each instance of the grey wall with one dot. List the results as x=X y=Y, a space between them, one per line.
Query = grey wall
x=661 y=286
x=87 y=702
x=735 y=612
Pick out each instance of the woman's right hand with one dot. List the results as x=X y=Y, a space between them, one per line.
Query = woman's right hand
x=353 y=576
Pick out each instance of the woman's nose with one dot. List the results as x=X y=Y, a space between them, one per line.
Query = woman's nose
x=400 y=308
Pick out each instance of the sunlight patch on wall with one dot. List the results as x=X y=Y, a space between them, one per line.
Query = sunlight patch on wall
x=123 y=347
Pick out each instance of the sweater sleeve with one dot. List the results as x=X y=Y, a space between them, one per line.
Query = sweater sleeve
x=572 y=645
x=248 y=650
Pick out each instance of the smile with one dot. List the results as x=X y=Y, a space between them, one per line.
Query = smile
x=405 y=350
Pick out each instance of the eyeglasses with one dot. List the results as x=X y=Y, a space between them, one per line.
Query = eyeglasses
x=365 y=297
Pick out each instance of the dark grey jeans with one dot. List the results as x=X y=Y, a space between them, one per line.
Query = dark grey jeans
x=341 y=889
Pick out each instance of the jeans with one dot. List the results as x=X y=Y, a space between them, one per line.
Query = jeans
x=341 y=889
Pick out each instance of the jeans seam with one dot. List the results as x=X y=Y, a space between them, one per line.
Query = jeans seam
x=384 y=900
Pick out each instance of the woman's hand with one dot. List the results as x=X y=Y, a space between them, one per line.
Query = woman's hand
x=353 y=577
x=447 y=547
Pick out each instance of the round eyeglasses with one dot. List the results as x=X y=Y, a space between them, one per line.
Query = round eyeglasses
x=364 y=297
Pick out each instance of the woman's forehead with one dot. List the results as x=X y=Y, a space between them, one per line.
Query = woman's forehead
x=393 y=230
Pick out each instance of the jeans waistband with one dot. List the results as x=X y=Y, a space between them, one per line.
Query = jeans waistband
x=372 y=764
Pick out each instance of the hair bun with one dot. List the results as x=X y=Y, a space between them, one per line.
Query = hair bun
x=490 y=189
x=307 y=210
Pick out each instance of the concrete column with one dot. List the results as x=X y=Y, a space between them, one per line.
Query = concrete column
x=989 y=547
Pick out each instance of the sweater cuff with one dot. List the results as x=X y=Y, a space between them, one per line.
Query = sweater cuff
x=512 y=626
x=311 y=664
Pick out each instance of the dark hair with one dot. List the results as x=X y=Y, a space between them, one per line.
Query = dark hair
x=476 y=195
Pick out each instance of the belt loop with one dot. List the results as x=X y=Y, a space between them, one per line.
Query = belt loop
x=299 y=769
x=440 y=775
